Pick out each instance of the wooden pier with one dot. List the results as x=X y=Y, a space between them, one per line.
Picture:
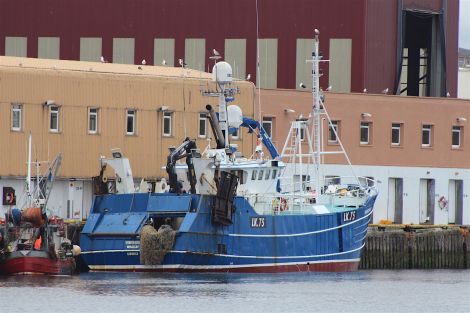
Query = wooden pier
x=416 y=247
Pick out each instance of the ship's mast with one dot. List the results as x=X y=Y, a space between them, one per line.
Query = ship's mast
x=316 y=114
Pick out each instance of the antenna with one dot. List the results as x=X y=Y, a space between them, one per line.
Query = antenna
x=258 y=74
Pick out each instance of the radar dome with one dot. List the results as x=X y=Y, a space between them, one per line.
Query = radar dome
x=222 y=72
x=235 y=116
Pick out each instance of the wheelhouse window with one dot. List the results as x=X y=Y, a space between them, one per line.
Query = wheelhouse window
x=130 y=119
x=456 y=136
x=268 y=173
x=426 y=136
x=253 y=175
x=202 y=125
x=16 y=112
x=333 y=132
x=92 y=120
x=274 y=174
x=54 y=118
x=236 y=134
x=365 y=133
x=268 y=126
x=260 y=175
x=396 y=134
x=167 y=119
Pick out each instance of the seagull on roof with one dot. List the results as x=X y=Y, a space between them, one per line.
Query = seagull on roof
x=365 y=90
x=329 y=88
x=448 y=94
x=215 y=52
x=385 y=91
x=248 y=77
x=102 y=59
x=164 y=62
x=144 y=62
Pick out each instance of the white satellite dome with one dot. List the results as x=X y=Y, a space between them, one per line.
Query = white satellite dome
x=222 y=72
x=235 y=116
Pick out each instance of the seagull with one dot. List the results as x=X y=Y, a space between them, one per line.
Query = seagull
x=139 y=67
x=365 y=90
x=181 y=62
x=448 y=94
x=164 y=62
x=317 y=32
x=248 y=77
x=301 y=85
x=329 y=88
x=144 y=62
x=102 y=59
x=215 y=52
x=385 y=91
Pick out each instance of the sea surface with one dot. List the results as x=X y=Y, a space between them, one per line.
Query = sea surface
x=404 y=291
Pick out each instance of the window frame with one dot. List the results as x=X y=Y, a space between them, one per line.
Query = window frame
x=367 y=126
x=268 y=120
x=336 y=125
x=96 y=115
x=201 y=119
x=399 y=128
x=131 y=113
x=17 y=107
x=429 y=129
x=167 y=115
x=54 y=110
x=457 y=129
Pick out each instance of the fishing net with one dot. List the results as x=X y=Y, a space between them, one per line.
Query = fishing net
x=154 y=245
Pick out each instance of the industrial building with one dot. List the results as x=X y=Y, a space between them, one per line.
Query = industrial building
x=405 y=47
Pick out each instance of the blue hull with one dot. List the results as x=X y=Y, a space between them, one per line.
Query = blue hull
x=253 y=243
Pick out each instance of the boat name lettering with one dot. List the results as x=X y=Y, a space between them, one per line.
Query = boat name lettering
x=258 y=222
x=132 y=253
x=349 y=216
x=132 y=242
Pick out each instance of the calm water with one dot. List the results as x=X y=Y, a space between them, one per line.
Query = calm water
x=365 y=291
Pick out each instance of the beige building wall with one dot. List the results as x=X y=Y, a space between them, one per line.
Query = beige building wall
x=412 y=112
x=113 y=88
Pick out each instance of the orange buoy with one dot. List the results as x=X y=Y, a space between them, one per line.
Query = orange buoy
x=33 y=216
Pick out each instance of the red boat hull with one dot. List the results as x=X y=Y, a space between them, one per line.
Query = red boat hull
x=39 y=262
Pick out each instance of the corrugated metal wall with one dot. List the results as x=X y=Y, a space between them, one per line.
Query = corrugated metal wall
x=75 y=91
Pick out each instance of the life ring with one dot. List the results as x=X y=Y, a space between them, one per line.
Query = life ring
x=443 y=202
x=283 y=205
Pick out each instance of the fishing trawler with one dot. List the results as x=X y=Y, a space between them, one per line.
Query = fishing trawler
x=222 y=212
x=31 y=241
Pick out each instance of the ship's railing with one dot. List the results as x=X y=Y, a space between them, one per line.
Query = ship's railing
x=297 y=199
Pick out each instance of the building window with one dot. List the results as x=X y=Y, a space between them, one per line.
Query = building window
x=130 y=122
x=268 y=126
x=16 y=117
x=456 y=136
x=396 y=134
x=92 y=120
x=427 y=136
x=53 y=118
x=167 y=116
x=202 y=125
x=333 y=132
x=365 y=133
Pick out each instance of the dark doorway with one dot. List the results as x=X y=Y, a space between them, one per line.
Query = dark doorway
x=422 y=61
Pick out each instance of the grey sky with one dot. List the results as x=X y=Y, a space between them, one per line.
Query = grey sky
x=464 y=20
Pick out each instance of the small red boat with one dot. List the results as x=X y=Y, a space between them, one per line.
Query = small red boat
x=35 y=262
